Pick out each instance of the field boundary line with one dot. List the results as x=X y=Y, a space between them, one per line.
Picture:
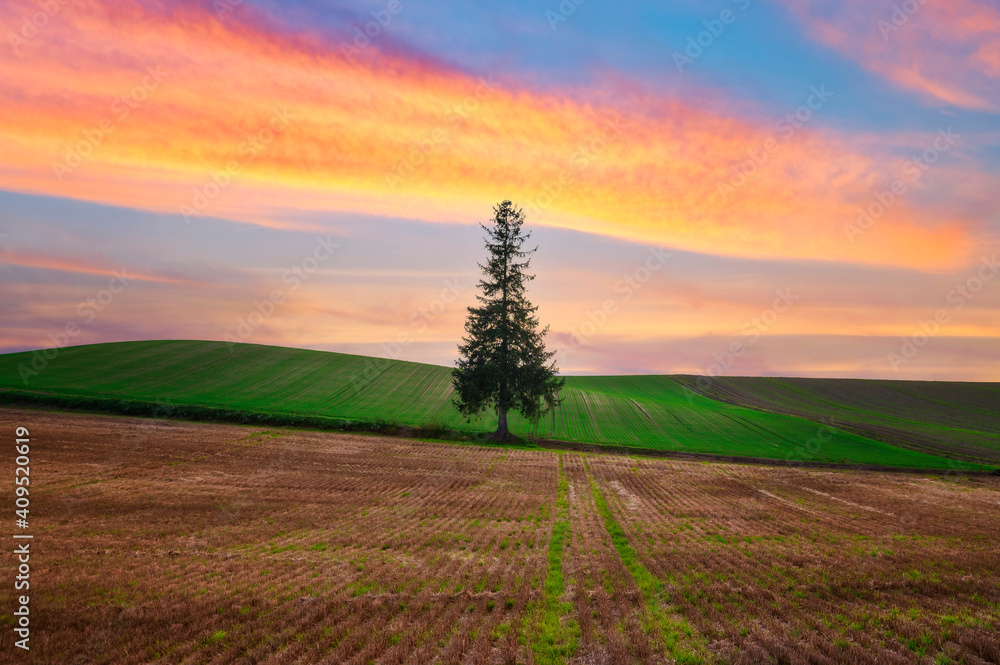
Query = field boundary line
x=212 y=414
x=629 y=451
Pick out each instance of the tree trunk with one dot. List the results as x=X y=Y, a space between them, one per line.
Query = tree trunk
x=502 y=433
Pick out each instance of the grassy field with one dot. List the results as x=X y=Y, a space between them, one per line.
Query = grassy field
x=942 y=417
x=653 y=412
x=206 y=544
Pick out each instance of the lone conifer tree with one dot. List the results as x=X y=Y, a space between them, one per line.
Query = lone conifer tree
x=503 y=363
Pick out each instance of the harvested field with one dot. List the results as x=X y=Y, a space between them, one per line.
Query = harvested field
x=168 y=542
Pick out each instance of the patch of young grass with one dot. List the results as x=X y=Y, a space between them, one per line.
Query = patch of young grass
x=657 y=618
x=554 y=639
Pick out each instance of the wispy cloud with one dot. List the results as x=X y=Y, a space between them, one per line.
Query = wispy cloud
x=949 y=52
x=76 y=265
x=357 y=119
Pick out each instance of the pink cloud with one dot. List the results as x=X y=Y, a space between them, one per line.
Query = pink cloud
x=946 y=51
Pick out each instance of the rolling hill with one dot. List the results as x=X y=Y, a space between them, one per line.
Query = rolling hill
x=650 y=412
x=940 y=417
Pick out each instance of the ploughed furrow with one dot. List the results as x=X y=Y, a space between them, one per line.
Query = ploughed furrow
x=214 y=544
x=176 y=542
x=669 y=632
x=786 y=565
x=603 y=595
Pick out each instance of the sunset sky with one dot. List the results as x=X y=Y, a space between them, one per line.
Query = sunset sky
x=814 y=184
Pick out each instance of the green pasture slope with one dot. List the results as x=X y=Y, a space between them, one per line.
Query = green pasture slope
x=640 y=411
x=940 y=417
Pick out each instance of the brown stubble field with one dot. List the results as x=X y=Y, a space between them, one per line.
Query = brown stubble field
x=174 y=542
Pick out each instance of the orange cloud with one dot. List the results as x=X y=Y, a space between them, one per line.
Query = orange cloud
x=947 y=51
x=186 y=114
x=32 y=260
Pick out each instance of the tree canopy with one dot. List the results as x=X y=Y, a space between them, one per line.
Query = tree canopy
x=503 y=362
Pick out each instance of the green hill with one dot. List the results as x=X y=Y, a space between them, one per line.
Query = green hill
x=639 y=411
x=940 y=417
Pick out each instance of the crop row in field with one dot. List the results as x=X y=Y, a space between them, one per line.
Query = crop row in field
x=656 y=412
x=640 y=411
x=183 y=543
x=784 y=565
x=941 y=417
x=222 y=544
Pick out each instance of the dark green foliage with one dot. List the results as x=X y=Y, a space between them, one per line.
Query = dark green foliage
x=503 y=363
x=148 y=409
